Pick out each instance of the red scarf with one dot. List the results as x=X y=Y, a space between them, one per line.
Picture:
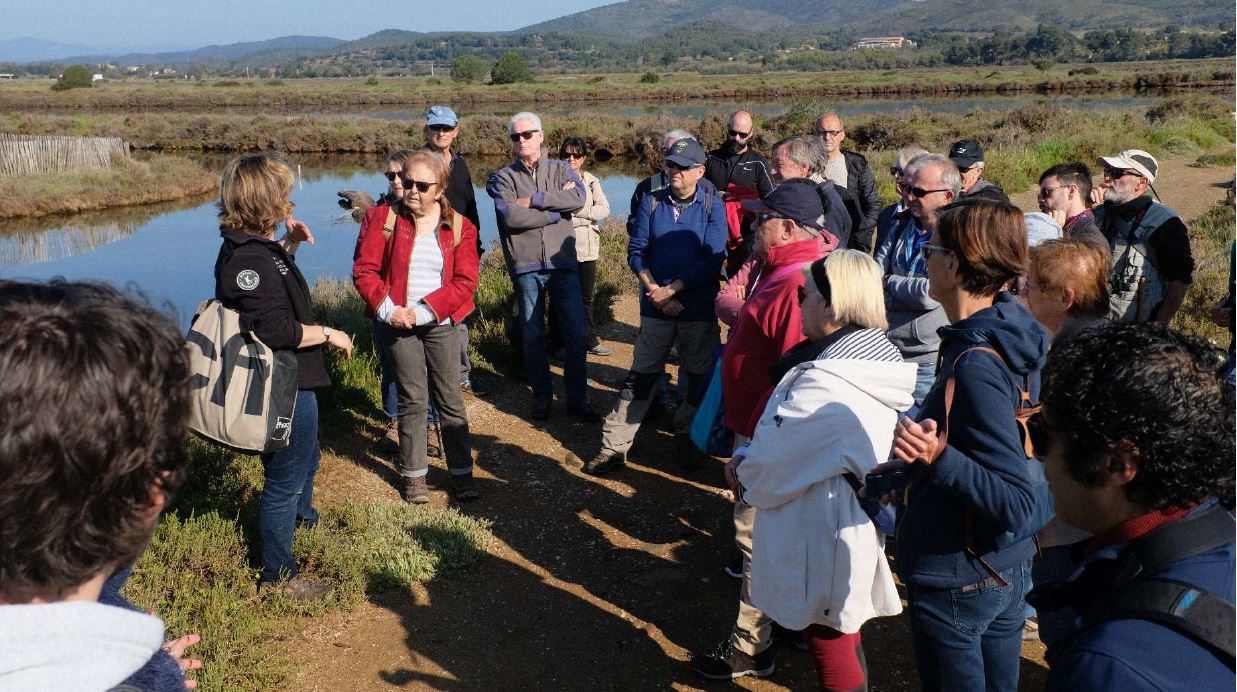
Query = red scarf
x=1136 y=527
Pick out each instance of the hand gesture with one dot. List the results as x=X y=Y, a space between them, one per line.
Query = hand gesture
x=660 y=295
x=298 y=231
x=341 y=341
x=569 y=185
x=1097 y=195
x=916 y=442
x=404 y=318
x=176 y=649
x=1057 y=216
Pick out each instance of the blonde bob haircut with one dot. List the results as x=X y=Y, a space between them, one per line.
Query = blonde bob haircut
x=253 y=193
x=855 y=287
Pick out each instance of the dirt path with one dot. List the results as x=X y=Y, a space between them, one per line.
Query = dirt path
x=592 y=583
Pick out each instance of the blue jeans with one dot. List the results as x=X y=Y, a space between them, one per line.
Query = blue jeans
x=924 y=377
x=563 y=288
x=970 y=638
x=288 y=490
x=390 y=397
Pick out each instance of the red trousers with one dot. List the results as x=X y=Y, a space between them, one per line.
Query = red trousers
x=838 y=657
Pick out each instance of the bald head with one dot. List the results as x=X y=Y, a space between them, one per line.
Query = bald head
x=740 y=133
x=829 y=129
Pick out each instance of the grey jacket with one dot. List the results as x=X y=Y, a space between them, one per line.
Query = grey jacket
x=587 y=221
x=913 y=316
x=540 y=236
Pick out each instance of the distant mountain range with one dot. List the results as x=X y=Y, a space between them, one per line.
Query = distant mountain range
x=633 y=20
x=640 y=18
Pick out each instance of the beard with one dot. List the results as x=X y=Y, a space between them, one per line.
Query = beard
x=1114 y=195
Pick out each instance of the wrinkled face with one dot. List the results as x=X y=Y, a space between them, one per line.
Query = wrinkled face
x=925 y=194
x=1123 y=185
x=784 y=168
x=1053 y=196
x=683 y=180
x=395 y=187
x=829 y=129
x=526 y=140
x=421 y=202
x=769 y=231
x=1050 y=308
x=970 y=176
x=441 y=137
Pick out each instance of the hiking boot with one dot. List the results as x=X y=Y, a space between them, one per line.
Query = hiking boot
x=415 y=490
x=475 y=388
x=299 y=589
x=604 y=463
x=728 y=663
x=465 y=487
x=601 y=350
x=431 y=448
x=392 y=433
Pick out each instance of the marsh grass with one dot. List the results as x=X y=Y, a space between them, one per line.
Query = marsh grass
x=1211 y=237
x=196 y=573
x=126 y=182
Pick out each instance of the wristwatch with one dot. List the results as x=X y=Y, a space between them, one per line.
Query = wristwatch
x=326 y=334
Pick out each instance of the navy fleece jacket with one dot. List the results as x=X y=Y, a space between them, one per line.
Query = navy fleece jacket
x=691 y=247
x=984 y=466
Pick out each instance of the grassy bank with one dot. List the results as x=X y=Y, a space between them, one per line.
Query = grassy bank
x=1020 y=143
x=126 y=182
x=196 y=574
x=1211 y=236
x=619 y=87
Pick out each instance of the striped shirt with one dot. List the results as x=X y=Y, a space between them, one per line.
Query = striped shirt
x=865 y=344
x=424 y=270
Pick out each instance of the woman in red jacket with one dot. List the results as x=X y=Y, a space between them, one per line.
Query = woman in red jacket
x=415 y=267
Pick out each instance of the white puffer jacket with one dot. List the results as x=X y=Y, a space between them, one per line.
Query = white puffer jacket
x=816 y=556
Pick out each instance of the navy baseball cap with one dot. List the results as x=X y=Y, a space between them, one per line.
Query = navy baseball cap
x=966 y=153
x=441 y=115
x=686 y=153
x=796 y=199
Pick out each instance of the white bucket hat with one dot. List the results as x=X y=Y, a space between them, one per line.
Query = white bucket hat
x=1135 y=160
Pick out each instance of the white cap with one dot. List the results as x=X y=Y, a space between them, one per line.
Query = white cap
x=1135 y=160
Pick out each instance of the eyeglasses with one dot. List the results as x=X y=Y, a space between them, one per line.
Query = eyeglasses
x=931 y=248
x=739 y=135
x=1047 y=191
x=920 y=193
x=391 y=176
x=525 y=135
x=441 y=128
x=1117 y=173
x=829 y=133
x=420 y=186
x=573 y=154
x=767 y=216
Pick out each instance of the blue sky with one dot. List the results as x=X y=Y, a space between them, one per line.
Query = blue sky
x=140 y=23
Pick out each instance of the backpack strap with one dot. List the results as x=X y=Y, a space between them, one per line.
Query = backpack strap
x=388 y=226
x=457 y=228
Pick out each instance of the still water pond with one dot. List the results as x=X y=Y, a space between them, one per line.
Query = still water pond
x=168 y=251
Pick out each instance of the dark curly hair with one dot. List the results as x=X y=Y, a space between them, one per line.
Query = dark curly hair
x=94 y=400
x=1156 y=389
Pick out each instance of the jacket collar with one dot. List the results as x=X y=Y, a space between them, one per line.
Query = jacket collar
x=798 y=251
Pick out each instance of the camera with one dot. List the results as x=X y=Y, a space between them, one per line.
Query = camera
x=876 y=485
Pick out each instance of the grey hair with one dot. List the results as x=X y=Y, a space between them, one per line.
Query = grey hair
x=804 y=150
x=950 y=177
x=531 y=117
x=674 y=136
x=903 y=157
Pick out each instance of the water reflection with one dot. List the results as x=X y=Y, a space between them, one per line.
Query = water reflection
x=168 y=250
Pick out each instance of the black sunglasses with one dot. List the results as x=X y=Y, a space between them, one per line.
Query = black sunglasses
x=930 y=249
x=920 y=193
x=441 y=128
x=409 y=184
x=740 y=135
x=525 y=135
x=573 y=154
x=1118 y=173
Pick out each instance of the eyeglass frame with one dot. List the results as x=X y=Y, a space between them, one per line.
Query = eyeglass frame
x=526 y=135
x=920 y=193
x=929 y=249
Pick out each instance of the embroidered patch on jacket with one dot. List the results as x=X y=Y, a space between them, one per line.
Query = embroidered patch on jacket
x=247 y=280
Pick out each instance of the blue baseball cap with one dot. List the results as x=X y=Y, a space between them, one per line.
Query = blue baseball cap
x=441 y=115
x=687 y=153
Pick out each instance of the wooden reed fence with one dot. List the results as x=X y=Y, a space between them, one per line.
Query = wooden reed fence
x=27 y=154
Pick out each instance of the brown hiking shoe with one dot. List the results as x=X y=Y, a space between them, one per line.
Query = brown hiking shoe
x=465 y=487
x=392 y=434
x=415 y=490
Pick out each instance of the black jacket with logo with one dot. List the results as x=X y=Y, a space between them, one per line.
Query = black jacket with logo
x=259 y=279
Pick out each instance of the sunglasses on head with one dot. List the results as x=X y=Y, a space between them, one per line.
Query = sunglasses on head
x=441 y=128
x=525 y=135
x=740 y=135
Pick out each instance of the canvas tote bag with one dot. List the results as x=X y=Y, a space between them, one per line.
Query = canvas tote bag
x=243 y=393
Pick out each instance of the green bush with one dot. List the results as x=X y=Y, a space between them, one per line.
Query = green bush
x=510 y=69
x=1086 y=69
x=372 y=81
x=74 y=77
x=467 y=69
x=650 y=78
x=1211 y=236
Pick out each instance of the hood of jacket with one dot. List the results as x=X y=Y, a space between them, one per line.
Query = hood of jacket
x=1007 y=327
x=890 y=384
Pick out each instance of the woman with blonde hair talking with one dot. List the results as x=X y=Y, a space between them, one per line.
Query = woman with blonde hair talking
x=818 y=561
x=415 y=267
x=258 y=277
